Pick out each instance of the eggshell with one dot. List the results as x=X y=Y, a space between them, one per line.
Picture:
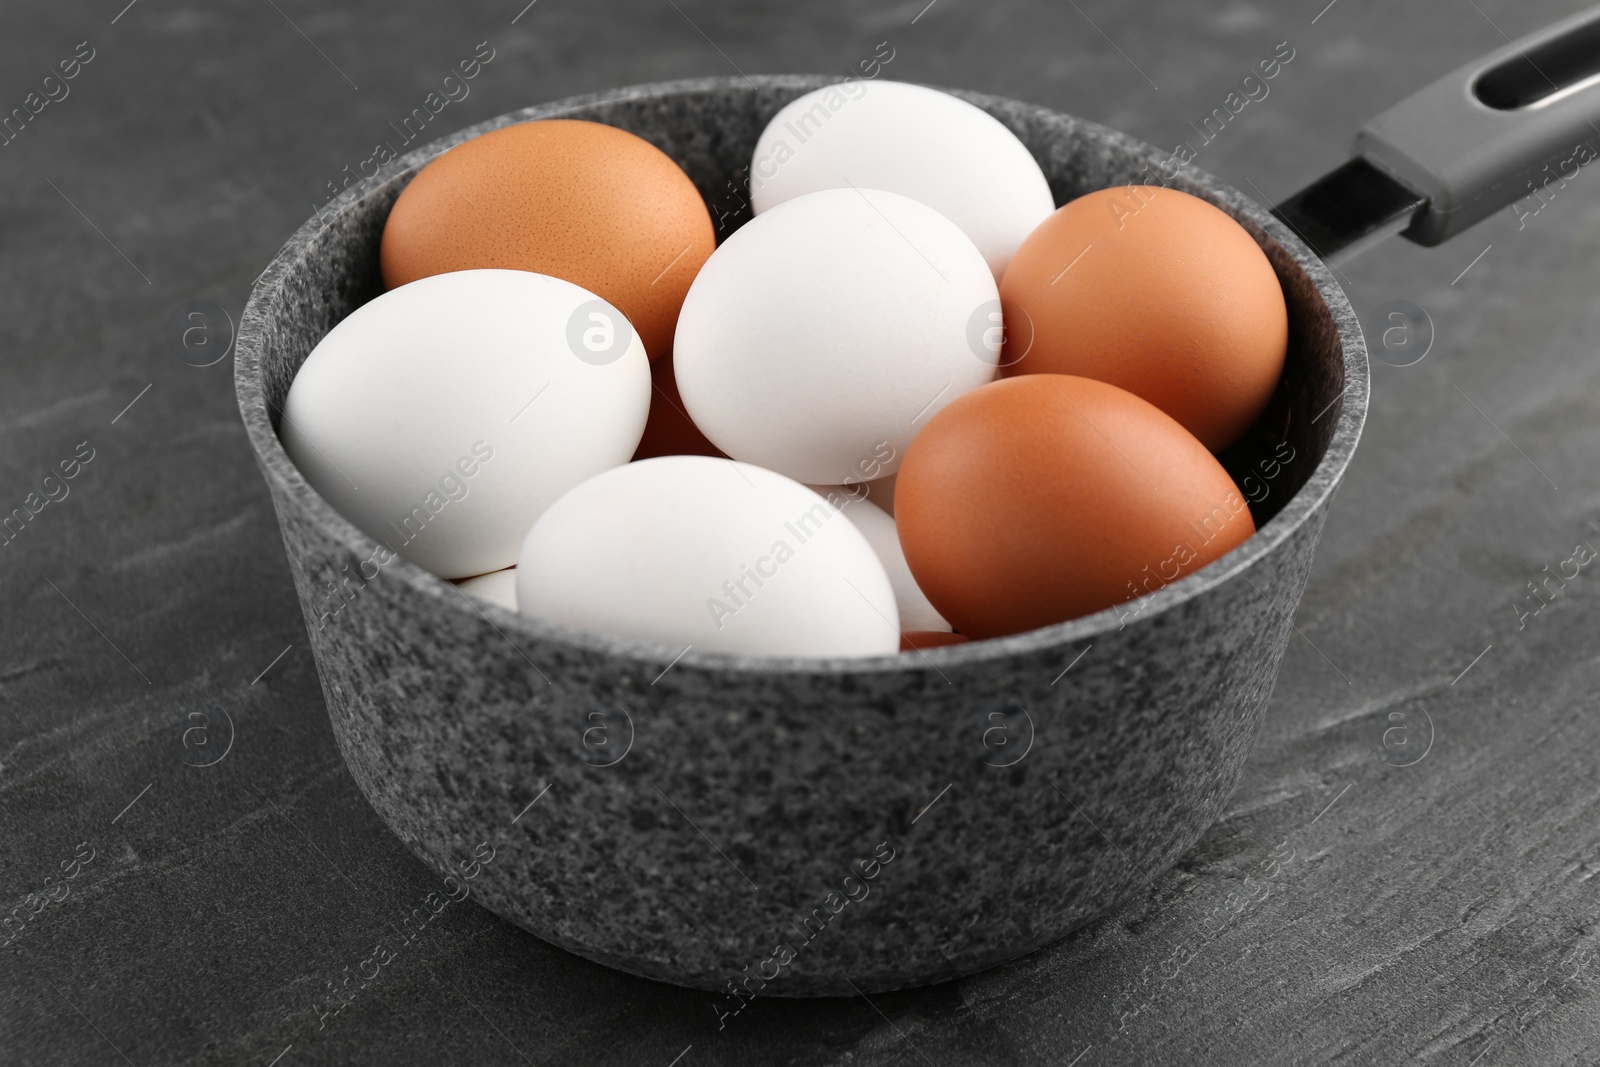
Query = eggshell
x=1155 y=291
x=589 y=203
x=907 y=139
x=443 y=416
x=1039 y=499
x=917 y=640
x=709 y=554
x=881 y=493
x=500 y=587
x=878 y=527
x=825 y=332
x=669 y=431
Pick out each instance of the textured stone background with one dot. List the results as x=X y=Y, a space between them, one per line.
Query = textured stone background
x=1441 y=912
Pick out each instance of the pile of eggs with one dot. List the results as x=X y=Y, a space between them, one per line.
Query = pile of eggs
x=909 y=403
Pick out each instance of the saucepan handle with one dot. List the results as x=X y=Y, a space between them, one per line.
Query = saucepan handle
x=1495 y=131
x=1500 y=130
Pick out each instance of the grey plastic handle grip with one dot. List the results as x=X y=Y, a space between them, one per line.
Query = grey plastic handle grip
x=1482 y=138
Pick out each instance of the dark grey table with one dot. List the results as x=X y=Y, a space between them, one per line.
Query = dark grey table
x=1422 y=896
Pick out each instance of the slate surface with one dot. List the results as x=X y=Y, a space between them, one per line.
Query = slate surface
x=1441 y=912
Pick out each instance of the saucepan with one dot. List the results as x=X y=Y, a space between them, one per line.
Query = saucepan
x=804 y=827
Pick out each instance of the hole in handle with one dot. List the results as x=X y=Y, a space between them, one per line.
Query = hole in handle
x=1545 y=74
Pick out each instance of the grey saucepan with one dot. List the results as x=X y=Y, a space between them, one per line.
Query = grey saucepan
x=789 y=827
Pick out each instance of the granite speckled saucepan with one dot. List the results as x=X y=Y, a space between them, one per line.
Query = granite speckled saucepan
x=801 y=827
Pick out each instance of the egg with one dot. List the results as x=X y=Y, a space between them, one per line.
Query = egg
x=881 y=493
x=878 y=527
x=825 y=332
x=582 y=201
x=918 y=142
x=499 y=587
x=1157 y=292
x=710 y=554
x=443 y=416
x=669 y=431
x=1046 y=497
x=917 y=640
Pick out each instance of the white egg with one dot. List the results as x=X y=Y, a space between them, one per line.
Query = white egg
x=878 y=526
x=710 y=554
x=443 y=416
x=823 y=334
x=907 y=139
x=499 y=587
x=881 y=493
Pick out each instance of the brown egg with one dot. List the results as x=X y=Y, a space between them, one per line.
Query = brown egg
x=588 y=203
x=917 y=640
x=1155 y=291
x=1037 y=499
x=668 y=431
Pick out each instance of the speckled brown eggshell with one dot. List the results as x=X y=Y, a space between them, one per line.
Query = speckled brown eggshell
x=582 y=201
